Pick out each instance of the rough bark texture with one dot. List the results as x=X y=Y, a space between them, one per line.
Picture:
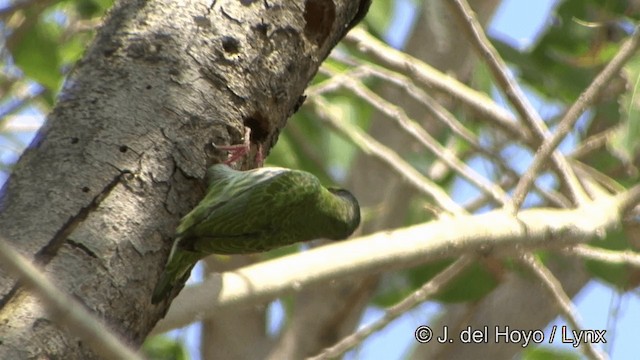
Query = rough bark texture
x=96 y=198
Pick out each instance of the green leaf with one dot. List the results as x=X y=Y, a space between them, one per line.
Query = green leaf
x=624 y=141
x=474 y=283
x=71 y=50
x=379 y=16
x=37 y=54
x=307 y=144
x=547 y=352
x=301 y=146
x=341 y=151
x=618 y=275
x=162 y=347
x=92 y=8
x=572 y=49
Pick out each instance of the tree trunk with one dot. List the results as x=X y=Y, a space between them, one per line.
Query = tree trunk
x=95 y=199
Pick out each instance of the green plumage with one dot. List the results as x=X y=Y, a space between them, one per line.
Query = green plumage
x=255 y=211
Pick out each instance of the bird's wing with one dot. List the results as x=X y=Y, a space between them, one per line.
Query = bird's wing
x=227 y=193
x=255 y=213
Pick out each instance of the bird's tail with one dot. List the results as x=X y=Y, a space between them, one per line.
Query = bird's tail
x=175 y=273
x=163 y=287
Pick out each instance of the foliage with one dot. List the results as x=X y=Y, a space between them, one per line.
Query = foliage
x=43 y=41
x=164 y=348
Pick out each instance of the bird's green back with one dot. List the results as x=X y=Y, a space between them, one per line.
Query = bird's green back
x=253 y=211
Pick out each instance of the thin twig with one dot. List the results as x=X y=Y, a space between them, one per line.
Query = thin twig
x=497 y=66
x=470 y=25
x=21 y=99
x=551 y=198
x=412 y=128
x=589 y=174
x=553 y=285
x=440 y=113
x=306 y=149
x=592 y=143
x=381 y=152
x=6 y=12
x=478 y=102
x=609 y=256
x=64 y=308
x=364 y=70
x=361 y=70
x=585 y=100
x=426 y=291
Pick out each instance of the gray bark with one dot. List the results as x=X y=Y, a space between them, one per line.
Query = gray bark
x=95 y=199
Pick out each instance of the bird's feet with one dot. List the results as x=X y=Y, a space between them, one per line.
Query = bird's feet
x=236 y=152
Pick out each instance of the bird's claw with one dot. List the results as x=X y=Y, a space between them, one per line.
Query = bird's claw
x=238 y=151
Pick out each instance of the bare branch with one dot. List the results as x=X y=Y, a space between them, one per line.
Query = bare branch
x=423 y=293
x=402 y=248
x=562 y=300
x=479 y=102
x=66 y=310
x=412 y=128
x=478 y=39
x=372 y=147
x=439 y=113
x=609 y=256
x=585 y=100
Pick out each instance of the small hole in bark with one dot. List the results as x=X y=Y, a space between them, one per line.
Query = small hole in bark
x=85 y=189
x=230 y=45
x=259 y=126
x=320 y=16
x=148 y=87
x=123 y=148
x=261 y=29
x=74 y=140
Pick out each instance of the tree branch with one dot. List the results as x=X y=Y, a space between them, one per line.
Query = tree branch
x=480 y=103
x=496 y=231
x=425 y=292
x=562 y=300
x=585 y=100
x=66 y=310
x=372 y=147
x=469 y=24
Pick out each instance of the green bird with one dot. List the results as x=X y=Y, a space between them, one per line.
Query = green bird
x=255 y=211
